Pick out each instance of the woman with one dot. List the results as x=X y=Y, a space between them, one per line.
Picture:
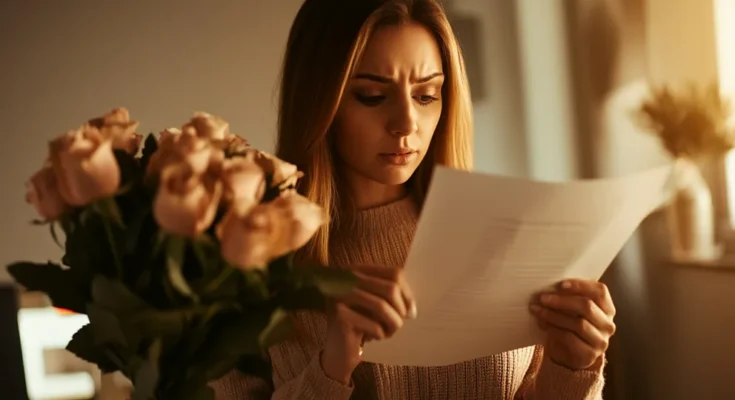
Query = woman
x=373 y=95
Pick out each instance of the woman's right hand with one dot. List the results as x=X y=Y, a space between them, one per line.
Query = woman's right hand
x=374 y=310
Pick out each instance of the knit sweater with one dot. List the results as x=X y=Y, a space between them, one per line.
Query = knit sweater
x=381 y=236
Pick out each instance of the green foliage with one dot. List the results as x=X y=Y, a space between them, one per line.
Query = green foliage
x=168 y=311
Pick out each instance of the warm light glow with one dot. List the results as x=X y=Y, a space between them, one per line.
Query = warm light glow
x=725 y=37
x=64 y=311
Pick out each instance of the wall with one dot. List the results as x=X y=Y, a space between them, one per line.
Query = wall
x=500 y=142
x=74 y=60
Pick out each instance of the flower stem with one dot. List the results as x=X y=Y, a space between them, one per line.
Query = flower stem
x=113 y=246
x=219 y=279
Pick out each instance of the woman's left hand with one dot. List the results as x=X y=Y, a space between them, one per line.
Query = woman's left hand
x=578 y=320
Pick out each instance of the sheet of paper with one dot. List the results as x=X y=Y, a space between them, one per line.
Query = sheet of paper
x=486 y=244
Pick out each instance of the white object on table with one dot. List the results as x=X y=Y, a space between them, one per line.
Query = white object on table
x=45 y=328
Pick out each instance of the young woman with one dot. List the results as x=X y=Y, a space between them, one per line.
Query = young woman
x=373 y=95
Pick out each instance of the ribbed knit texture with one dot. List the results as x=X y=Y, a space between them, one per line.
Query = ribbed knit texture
x=382 y=236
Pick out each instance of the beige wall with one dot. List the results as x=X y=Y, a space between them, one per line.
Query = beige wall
x=68 y=61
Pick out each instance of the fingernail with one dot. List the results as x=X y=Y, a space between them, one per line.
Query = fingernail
x=566 y=285
x=547 y=298
x=413 y=312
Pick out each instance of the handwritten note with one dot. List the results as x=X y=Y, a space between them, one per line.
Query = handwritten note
x=486 y=244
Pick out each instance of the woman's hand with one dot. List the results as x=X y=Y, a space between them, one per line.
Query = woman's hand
x=375 y=310
x=578 y=321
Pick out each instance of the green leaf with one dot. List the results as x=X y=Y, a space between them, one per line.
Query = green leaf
x=65 y=288
x=82 y=345
x=160 y=322
x=161 y=239
x=201 y=254
x=115 y=296
x=192 y=389
x=54 y=235
x=230 y=337
x=330 y=281
x=130 y=170
x=175 y=251
x=213 y=285
x=256 y=287
x=202 y=393
x=281 y=267
x=88 y=249
x=279 y=329
x=106 y=327
x=147 y=375
x=136 y=229
x=109 y=209
x=301 y=298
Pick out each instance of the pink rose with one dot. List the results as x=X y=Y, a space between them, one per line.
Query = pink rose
x=120 y=129
x=85 y=166
x=43 y=193
x=207 y=126
x=186 y=202
x=244 y=182
x=281 y=172
x=175 y=146
x=251 y=239
x=235 y=145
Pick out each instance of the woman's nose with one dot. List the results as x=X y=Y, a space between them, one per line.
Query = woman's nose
x=403 y=120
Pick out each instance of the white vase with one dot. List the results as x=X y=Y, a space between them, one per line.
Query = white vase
x=691 y=216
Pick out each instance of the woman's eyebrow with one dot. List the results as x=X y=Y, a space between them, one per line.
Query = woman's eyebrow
x=385 y=79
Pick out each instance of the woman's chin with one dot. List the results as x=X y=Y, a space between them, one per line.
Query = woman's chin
x=395 y=175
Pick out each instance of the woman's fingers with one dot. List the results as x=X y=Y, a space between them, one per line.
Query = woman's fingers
x=367 y=326
x=376 y=308
x=579 y=307
x=385 y=289
x=390 y=284
x=579 y=326
x=593 y=290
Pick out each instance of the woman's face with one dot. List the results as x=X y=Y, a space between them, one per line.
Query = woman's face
x=390 y=108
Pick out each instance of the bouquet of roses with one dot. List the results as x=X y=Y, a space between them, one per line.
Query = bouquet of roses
x=179 y=253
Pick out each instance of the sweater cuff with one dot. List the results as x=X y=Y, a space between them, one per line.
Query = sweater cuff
x=564 y=383
x=317 y=385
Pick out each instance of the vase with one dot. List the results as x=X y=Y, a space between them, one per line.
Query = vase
x=691 y=215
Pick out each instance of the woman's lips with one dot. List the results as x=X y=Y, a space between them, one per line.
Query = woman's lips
x=400 y=158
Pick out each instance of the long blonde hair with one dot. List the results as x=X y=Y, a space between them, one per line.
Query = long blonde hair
x=325 y=44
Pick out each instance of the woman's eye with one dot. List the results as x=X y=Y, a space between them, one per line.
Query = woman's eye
x=369 y=100
x=425 y=100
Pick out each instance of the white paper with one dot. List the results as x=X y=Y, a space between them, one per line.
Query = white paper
x=486 y=244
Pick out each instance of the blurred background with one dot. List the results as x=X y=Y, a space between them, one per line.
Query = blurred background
x=555 y=87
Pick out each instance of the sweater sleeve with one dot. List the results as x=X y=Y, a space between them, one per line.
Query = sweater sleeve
x=297 y=374
x=547 y=380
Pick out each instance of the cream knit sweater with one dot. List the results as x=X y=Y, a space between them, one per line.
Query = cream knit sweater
x=381 y=236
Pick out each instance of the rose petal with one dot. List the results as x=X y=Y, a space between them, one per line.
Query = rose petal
x=242 y=244
x=186 y=202
x=43 y=193
x=244 y=181
x=208 y=126
x=85 y=166
x=252 y=238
